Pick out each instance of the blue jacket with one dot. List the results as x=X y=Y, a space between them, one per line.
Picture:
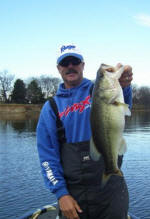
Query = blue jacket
x=74 y=110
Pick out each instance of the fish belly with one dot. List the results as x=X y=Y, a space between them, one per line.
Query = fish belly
x=107 y=123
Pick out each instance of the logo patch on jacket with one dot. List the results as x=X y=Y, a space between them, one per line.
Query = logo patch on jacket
x=81 y=106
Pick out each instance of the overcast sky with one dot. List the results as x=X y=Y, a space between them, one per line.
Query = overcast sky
x=105 y=31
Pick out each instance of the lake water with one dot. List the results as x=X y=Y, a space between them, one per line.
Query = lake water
x=22 y=187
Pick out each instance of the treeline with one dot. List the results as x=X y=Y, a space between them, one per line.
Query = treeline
x=35 y=91
x=141 y=95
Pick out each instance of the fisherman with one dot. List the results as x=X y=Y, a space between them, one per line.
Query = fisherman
x=63 y=134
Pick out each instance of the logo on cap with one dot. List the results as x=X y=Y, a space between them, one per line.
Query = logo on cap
x=63 y=48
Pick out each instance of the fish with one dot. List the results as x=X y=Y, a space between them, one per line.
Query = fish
x=107 y=119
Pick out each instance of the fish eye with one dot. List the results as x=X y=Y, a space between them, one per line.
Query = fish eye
x=101 y=75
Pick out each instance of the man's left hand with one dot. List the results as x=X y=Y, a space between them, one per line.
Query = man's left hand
x=126 y=77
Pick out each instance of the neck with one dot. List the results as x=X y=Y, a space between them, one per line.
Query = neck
x=72 y=84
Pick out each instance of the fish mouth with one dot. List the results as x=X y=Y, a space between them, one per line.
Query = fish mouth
x=108 y=68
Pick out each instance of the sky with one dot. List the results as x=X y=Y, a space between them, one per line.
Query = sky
x=110 y=31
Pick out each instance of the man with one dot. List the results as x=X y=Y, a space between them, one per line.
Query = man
x=66 y=165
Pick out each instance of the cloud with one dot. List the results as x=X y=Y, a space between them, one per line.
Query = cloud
x=143 y=19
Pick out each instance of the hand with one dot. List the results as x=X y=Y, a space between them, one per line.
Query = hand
x=69 y=207
x=126 y=77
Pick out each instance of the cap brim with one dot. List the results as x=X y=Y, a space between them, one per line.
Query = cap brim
x=69 y=54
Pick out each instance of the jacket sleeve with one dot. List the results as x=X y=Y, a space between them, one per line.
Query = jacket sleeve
x=48 y=150
x=127 y=92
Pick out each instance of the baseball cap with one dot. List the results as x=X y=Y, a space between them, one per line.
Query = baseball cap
x=69 y=50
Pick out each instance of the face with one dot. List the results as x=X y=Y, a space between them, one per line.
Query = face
x=71 y=70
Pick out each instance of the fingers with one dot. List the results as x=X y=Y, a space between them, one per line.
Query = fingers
x=77 y=207
x=127 y=70
x=126 y=77
x=119 y=65
x=71 y=214
x=69 y=207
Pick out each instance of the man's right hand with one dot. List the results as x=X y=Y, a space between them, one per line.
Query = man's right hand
x=69 y=207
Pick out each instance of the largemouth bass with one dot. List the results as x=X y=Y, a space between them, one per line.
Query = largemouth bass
x=107 y=118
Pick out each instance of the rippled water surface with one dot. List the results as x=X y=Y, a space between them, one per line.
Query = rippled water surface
x=21 y=185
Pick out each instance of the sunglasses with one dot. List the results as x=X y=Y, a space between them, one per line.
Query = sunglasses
x=67 y=62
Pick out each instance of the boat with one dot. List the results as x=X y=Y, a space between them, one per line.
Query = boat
x=46 y=212
x=50 y=212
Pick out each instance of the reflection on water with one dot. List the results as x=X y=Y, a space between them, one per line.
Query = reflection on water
x=19 y=121
x=21 y=184
x=138 y=121
x=136 y=164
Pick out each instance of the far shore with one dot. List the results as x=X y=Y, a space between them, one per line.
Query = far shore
x=140 y=108
x=20 y=108
x=27 y=108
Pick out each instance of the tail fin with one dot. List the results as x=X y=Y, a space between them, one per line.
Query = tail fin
x=106 y=177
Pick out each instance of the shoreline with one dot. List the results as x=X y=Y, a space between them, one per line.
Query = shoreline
x=29 y=108
x=20 y=108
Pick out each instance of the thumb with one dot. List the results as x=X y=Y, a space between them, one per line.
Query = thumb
x=77 y=207
x=119 y=65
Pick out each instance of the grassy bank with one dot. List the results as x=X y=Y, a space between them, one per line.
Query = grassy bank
x=20 y=108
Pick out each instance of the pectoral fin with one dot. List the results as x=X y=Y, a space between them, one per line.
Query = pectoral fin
x=127 y=110
x=126 y=107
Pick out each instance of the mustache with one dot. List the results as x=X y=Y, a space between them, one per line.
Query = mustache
x=71 y=70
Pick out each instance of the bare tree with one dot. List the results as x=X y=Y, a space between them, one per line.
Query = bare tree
x=5 y=84
x=48 y=85
x=55 y=82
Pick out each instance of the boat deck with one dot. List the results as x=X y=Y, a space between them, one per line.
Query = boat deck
x=47 y=212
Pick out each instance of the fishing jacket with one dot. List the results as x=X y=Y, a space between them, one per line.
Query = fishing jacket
x=74 y=111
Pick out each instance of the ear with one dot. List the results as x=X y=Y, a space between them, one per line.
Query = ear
x=83 y=64
x=59 y=68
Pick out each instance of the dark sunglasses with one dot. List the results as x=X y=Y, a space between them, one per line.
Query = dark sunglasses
x=67 y=62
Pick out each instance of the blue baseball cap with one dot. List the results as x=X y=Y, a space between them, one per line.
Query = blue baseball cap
x=69 y=50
